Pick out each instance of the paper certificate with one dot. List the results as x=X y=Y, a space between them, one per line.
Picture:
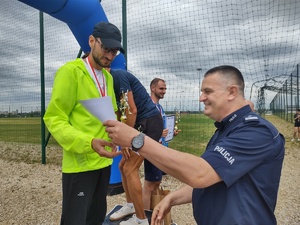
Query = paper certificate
x=103 y=113
x=169 y=124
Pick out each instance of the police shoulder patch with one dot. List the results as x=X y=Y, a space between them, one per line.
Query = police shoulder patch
x=251 y=118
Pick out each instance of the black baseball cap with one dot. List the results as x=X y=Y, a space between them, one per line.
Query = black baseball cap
x=109 y=35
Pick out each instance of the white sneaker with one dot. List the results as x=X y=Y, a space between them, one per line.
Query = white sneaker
x=133 y=221
x=121 y=213
x=293 y=139
x=298 y=139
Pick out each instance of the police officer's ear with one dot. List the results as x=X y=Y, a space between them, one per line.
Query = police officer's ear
x=233 y=91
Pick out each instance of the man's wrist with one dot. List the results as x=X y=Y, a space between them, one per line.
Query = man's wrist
x=138 y=142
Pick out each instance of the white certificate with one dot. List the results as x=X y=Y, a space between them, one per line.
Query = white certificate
x=169 y=124
x=101 y=108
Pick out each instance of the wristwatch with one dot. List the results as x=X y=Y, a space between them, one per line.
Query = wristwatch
x=138 y=142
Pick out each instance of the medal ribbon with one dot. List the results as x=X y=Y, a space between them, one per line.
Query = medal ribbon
x=101 y=90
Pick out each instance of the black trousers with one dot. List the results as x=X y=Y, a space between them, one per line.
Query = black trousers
x=84 y=197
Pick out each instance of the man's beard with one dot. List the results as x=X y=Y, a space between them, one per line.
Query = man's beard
x=159 y=96
x=99 y=62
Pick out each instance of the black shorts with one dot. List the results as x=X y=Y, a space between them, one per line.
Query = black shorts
x=153 y=128
x=297 y=124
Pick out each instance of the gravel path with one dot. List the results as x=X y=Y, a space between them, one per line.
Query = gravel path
x=30 y=193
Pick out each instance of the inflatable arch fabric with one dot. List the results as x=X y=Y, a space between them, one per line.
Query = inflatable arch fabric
x=80 y=16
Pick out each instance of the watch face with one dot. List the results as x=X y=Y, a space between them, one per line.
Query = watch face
x=138 y=141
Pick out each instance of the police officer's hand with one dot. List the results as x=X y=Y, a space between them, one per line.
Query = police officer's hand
x=120 y=133
x=160 y=211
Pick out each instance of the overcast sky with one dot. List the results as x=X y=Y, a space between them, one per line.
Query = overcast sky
x=168 y=39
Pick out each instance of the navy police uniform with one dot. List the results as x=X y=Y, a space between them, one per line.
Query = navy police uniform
x=247 y=153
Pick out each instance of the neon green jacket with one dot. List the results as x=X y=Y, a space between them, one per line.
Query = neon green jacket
x=72 y=126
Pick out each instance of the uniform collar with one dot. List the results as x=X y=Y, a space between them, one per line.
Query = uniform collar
x=228 y=120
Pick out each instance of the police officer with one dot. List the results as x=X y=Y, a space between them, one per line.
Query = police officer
x=236 y=179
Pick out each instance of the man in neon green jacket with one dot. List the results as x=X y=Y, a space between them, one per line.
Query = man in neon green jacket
x=86 y=161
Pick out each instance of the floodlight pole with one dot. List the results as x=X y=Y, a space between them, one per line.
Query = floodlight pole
x=199 y=77
x=124 y=28
x=180 y=98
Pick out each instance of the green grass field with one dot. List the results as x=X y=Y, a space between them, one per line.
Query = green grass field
x=21 y=130
x=196 y=131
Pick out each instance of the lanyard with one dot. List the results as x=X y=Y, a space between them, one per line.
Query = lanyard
x=158 y=107
x=101 y=91
x=162 y=113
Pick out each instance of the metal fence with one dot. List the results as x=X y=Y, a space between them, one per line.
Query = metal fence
x=286 y=101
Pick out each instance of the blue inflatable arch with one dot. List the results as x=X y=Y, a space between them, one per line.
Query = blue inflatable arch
x=81 y=16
